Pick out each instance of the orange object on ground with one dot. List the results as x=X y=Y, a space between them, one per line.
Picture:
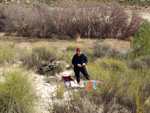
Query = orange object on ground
x=92 y=84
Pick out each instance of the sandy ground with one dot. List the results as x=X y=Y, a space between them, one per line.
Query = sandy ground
x=45 y=90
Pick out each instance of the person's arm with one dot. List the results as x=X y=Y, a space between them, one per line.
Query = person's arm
x=74 y=61
x=85 y=60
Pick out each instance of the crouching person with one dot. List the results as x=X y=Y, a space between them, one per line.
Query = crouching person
x=79 y=61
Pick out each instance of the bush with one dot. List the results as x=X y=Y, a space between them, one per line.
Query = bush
x=89 y=53
x=51 y=68
x=113 y=64
x=38 y=56
x=71 y=48
x=2 y=17
x=7 y=53
x=16 y=92
x=60 y=92
x=141 y=42
x=122 y=91
x=74 y=104
x=69 y=56
x=41 y=20
x=104 y=50
x=137 y=64
x=31 y=22
x=147 y=60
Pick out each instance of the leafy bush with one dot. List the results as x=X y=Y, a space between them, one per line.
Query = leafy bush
x=137 y=64
x=141 y=42
x=17 y=94
x=41 y=20
x=104 y=50
x=38 y=56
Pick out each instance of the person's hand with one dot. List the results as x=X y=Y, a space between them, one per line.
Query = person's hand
x=83 y=64
x=79 y=65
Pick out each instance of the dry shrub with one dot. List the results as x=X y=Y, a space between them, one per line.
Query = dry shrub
x=33 y=22
x=71 y=48
x=97 y=21
x=2 y=17
x=147 y=60
x=51 y=68
x=92 y=20
x=137 y=64
x=75 y=104
x=104 y=50
x=38 y=56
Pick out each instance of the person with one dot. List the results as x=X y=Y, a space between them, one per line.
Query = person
x=79 y=61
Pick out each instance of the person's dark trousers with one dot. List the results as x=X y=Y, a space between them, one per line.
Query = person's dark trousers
x=83 y=70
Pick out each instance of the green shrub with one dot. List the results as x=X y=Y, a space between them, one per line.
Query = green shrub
x=17 y=94
x=137 y=64
x=96 y=72
x=113 y=64
x=104 y=50
x=7 y=52
x=140 y=44
x=38 y=56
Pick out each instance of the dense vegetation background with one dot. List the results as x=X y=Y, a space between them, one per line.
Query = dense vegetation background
x=69 y=19
x=144 y=3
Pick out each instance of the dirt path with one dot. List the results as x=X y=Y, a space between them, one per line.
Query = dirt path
x=46 y=90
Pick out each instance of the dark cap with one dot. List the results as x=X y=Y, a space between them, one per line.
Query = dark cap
x=79 y=49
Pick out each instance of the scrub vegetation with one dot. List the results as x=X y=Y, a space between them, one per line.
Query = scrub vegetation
x=125 y=82
x=124 y=75
x=74 y=20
